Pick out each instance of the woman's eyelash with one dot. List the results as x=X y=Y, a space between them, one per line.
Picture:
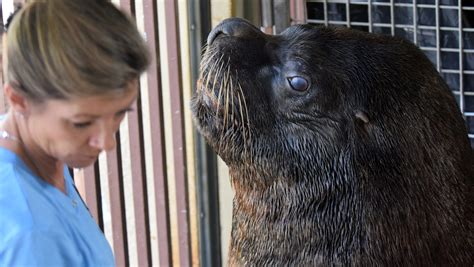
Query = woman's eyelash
x=82 y=124
x=125 y=111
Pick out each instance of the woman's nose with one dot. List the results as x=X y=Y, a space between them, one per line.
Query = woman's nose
x=104 y=140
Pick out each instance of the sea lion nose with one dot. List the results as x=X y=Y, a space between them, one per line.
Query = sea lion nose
x=234 y=27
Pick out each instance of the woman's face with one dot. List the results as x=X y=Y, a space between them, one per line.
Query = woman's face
x=76 y=131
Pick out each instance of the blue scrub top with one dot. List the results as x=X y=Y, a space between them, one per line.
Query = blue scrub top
x=41 y=226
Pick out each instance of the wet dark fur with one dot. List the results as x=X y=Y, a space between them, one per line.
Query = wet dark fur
x=371 y=166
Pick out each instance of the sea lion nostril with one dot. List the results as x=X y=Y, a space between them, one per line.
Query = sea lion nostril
x=212 y=36
x=234 y=27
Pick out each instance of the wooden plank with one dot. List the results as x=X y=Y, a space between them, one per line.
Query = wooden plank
x=298 y=11
x=179 y=149
x=139 y=191
x=138 y=180
x=86 y=180
x=117 y=206
x=187 y=88
x=157 y=143
x=282 y=15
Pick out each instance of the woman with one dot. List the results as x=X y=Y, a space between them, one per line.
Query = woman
x=71 y=76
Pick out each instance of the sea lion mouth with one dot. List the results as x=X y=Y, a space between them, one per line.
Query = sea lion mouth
x=220 y=89
x=208 y=97
x=222 y=113
x=216 y=89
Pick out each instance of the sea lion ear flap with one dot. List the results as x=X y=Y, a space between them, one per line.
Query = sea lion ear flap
x=361 y=122
x=362 y=117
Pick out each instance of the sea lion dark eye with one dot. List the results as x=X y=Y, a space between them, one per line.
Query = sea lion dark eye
x=298 y=83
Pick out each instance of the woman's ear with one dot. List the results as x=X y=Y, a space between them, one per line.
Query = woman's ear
x=16 y=100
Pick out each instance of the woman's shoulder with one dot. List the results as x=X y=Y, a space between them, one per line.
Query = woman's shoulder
x=15 y=215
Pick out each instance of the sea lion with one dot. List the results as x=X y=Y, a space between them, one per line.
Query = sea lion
x=344 y=148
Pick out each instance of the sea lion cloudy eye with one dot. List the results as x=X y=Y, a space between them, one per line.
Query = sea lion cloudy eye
x=298 y=83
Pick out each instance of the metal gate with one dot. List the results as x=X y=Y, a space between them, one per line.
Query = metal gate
x=443 y=29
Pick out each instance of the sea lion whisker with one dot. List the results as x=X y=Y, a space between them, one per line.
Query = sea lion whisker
x=225 y=87
x=232 y=105
x=242 y=118
x=215 y=71
x=208 y=75
x=226 y=107
x=249 y=141
x=219 y=95
x=208 y=56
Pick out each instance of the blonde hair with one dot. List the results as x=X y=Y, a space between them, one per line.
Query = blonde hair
x=60 y=49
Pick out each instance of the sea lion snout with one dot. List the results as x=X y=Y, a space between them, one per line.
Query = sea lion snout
x=235 y=27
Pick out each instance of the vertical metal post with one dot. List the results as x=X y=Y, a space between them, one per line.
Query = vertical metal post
x=461 y=59
x=206 y=160
x=415 y=22
x=326 y=20
x=392 y=18
x=282 y=19
x=348 y=14
x=177 y=128
x=369 y=11
x=438 y=49
x=251 y=10
x=267 y=16
x=298 y=11
x=157 y=143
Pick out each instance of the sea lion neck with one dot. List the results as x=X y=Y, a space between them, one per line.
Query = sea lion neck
x=292 y=219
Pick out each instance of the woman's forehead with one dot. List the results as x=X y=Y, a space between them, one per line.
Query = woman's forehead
x=97 y=105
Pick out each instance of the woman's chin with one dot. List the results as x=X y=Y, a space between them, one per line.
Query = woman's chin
x=81 y=162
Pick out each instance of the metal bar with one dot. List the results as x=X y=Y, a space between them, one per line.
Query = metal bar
x=325 y=5
x=299 y=11
x=369 y=10
x=156 y=124
x=438 y=52
x=387 y=25
x=348 y=14
x=469 y=72
x=267 y=16
x=465 y=94
x=187 y=88
x=389 y=4
x=179 y=149
x=207 y=180
x=461 y=58
x=392 y=18
x=415 y=23
x=282 y=21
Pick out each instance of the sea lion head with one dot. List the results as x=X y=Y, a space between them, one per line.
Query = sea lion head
x=311 y=92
